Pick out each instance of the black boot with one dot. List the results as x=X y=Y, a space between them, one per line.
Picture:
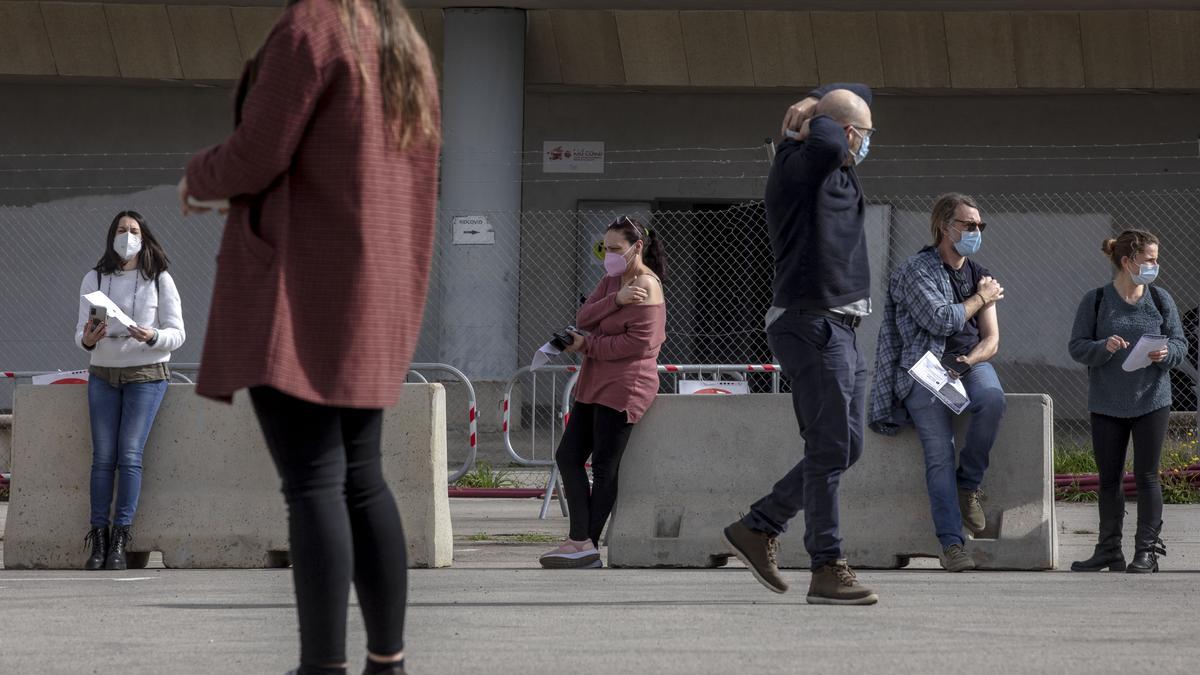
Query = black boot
x=98 y=538
x=1149 y=547
x=116 y=552
x=1108 y=550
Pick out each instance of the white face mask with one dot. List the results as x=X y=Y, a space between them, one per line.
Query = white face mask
x=127 y=245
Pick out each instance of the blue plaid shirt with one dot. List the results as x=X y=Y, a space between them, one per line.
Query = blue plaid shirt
x=920 y=313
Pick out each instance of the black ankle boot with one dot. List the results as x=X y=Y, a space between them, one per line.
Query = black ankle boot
x=373 y=668
x=1149 y=547
x=116 y=551
x=1103 y=557
x=98 y=538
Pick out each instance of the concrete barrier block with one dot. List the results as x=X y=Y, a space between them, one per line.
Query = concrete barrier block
x=210 y=495
x=694 y=463
x=5 y=443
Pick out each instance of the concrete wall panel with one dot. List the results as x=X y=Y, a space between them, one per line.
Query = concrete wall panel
x=588 y=47
x=1049 y=49
x=1175 y=40
x=24 y=46
x=913 y=49
x=207 y=42
x=848 y=47
x=652 y=48
x=253 y=24
x=1116 y=49
x=80 y=40
x=432 y=21
x=210 y=495
x=718 y=49
x=541 y=50
x=144 y=41
x=981 y=50
x=782 y=49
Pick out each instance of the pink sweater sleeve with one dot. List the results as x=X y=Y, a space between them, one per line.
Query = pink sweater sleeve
x=275 y=115
x=638 y=338
x=600 y=304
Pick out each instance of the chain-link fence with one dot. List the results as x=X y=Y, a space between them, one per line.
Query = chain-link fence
x=1044 y=248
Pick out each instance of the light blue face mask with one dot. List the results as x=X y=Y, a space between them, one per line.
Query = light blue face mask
x=1147 y=273
x=862 y=150
x=969 y=243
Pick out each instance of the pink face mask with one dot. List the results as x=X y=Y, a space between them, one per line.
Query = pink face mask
x=615 y=264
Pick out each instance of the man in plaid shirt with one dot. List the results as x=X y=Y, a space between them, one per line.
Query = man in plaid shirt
x=943 y=302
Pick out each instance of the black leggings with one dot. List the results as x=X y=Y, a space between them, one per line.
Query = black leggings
x=1110 y=438
x=601 y=432
x=342 y=522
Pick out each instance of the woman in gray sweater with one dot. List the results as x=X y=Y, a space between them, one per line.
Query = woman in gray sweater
x=1109 y=322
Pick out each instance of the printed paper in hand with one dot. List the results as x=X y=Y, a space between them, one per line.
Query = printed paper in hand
x=543 y=355
x=118 y=321
x=933 y=376
x=1139 y=356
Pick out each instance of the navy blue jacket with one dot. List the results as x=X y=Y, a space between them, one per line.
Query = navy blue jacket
x=815 y=216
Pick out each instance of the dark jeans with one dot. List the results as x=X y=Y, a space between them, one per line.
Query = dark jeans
x=829 y=379
x=342 y=523
x=601 y=432
x=935 y=426
x=121 y=418
x=1110 y=439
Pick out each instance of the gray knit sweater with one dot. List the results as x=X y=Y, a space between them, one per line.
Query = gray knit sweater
x=1111 y=390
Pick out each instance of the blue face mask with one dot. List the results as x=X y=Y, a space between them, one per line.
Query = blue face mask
x=969 y=243
x=1147 y=273
x=862 y=150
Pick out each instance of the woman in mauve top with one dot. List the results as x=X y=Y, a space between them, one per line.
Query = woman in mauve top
x=625 y=319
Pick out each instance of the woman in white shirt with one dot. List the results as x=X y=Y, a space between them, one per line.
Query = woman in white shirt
x=128 y=374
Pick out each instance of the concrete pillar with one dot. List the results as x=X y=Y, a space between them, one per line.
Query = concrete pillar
x=483 y=100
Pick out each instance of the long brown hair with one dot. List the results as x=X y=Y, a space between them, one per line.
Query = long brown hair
x=152 y=259
x=1128 y=244
x=406 y=78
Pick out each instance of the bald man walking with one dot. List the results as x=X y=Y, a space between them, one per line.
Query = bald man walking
x=815 y=215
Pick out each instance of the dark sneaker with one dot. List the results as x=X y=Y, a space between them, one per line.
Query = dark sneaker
x=572 y=555
x=836 y=584
x=956 y=559
x=972 y=511
x=759 y=551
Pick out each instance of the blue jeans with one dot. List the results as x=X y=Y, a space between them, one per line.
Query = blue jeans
x=934 y=423
x=829 y=382
x=121 y=419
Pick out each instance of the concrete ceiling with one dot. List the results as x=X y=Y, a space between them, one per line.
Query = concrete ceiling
x=843 y=5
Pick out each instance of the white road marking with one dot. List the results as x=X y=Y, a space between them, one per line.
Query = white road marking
x=78 y=579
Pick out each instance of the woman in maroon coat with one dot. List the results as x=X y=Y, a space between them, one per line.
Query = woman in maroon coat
x=321 y=278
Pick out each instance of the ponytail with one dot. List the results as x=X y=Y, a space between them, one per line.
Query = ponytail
x=653 y=253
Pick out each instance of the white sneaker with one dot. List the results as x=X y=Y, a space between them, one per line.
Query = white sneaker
x=572 y=555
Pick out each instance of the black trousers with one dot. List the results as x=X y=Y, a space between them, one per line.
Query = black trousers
x=603 y=433
x=342 y=523
x=1110 y=438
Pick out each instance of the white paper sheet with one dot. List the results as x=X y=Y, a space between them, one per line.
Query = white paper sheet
x=543 y=355
x=1139 y=356
x=933 y=376
x=118 y=321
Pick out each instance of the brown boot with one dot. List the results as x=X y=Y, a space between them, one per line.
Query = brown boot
x=972 y=511
x=835 y=584
x=759 y=551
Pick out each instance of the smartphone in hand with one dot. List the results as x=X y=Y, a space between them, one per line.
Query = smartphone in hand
x=950 y=362
x=97 y=316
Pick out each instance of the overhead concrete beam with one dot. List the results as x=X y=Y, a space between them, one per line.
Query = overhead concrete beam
x=24 y=46
x=253 y=25
x=1175 y=40
x=1049 y=49
x=541 y=51
x=434 y=32
x=717 y=45
x=206 y=41
x=144 y=41
x=588 y=47
x=980 y=45
x=80 y=40
x=1116 y=49
x=912 y=46
x=848 y=47
x=652 y=49
x=782 y=49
